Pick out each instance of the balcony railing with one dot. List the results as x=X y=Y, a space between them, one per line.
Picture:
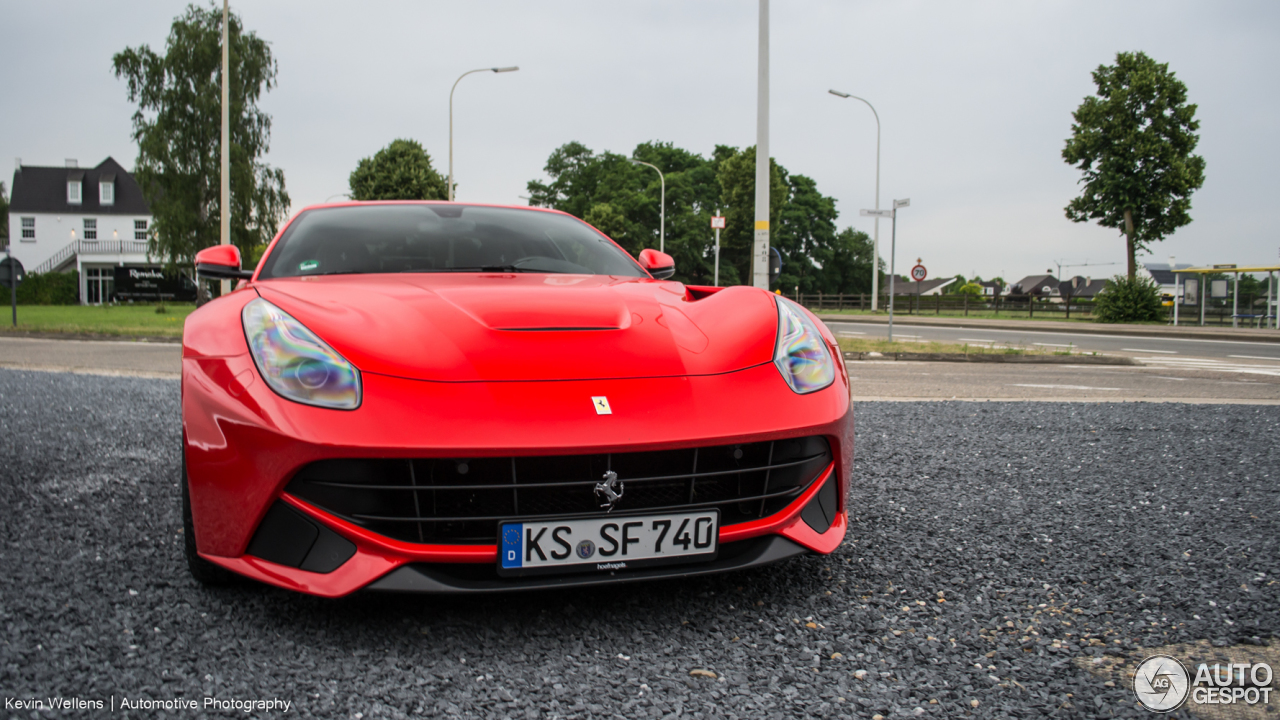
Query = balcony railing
x=91 y=247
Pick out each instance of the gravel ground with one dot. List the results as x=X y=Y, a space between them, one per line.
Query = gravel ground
x=993 y=546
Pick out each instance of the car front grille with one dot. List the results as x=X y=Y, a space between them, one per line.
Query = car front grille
x=462 y=500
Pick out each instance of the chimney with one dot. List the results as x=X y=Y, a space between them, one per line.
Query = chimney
x=71 y=162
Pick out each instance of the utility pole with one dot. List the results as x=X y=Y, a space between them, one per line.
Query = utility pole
x=760 y=249
x=226 y=141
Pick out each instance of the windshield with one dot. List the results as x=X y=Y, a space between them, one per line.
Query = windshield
x=442 y=238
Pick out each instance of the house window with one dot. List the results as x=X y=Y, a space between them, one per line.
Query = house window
x=29 y=229
x=73 y=192
x=107 y=193
x=139 y=229
x=90 y=229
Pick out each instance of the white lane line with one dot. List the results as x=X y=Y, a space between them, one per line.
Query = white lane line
x=842 y=333
x=1254 y=357
x=1162 y=377
x=1052 y=345
x=982 y=340
x=910 y=336
x=1162 y=352
x=1060 y=333
x=1062 y=387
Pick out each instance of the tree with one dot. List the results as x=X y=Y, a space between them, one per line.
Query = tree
x=4 y=216
x=1133 y=142
x=1128 y=299
x=970 y=288
x=399 y=171
x=177 y=126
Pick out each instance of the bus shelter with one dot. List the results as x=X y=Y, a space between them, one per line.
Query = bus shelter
x=1268 y=316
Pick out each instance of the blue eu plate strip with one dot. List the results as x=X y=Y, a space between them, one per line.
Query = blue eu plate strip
x=512 y=545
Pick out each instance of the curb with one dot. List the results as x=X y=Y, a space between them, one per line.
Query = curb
x=1155 y=331
x=93 y=337
x=992 y=358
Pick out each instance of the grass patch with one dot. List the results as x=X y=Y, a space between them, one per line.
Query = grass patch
x=886 y=347
x=926 y=312
x=124 y=320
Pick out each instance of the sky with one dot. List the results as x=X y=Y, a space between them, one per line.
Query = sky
x=974 y=98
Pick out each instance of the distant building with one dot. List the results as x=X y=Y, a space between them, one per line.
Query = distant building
x=1036 y=286
x=94 y=220
x=907 y=286
x=992 y=289
x=1163 y=275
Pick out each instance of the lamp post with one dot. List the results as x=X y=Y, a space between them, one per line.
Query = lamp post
x=225 y=224
x=513 y=68
x=662 y=208
x=875 y=242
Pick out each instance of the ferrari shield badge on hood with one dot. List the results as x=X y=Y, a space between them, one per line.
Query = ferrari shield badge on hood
x=602 y=405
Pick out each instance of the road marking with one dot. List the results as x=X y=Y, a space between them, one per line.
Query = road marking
x=842 y=333
x=1162 y=352
x=1162 y=377
x=1061 y=387
x=1052 y=345
x=983 y=340
x=1068 y=334
x=910 y=336
x=1253 y=357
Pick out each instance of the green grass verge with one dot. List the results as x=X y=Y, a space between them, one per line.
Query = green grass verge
x=125 y=320
x=926 y=313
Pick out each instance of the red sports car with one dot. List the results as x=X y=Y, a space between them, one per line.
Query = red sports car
x=453 y=398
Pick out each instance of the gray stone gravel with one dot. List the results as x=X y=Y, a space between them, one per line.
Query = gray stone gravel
x=1051 y=532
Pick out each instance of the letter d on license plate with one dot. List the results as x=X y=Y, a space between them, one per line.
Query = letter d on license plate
x=605 y=544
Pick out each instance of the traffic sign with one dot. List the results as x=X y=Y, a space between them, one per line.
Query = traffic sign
x=8 y=266
x=918 y=273
x=905 y=202
x=876 y=213
x=717 y=223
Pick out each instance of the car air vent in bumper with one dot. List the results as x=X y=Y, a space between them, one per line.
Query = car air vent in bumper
x=462 y=500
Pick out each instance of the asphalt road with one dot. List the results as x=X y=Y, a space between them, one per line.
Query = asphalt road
x=1064 y=340
x=998 y=555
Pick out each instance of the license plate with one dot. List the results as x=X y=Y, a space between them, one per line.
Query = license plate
x=606 y=544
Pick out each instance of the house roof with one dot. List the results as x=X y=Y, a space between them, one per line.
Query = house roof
x=1089 y=288
x=907 y=286
x=1162 y=273
x=38 y=189
x=1031 y=284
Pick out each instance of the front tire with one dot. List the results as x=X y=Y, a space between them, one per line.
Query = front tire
x=204 y=572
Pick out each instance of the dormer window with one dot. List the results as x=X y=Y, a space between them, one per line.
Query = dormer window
x=74 y=195
x=107 y=190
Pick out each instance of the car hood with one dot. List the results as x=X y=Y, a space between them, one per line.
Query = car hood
x=496 y=327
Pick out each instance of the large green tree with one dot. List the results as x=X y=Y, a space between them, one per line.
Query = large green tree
x=4 y=216
x=399 y=171
x=622 y=200
x=1133 y=143
x=177 y=126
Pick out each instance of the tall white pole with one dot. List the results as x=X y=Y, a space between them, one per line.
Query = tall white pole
x=225 y=202
x=455 y=87
x=662 y=209
x=717 y=280
x=760 y=250
x=875 y=242
x=893 y=256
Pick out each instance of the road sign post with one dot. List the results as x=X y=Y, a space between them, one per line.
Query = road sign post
x=717 y=222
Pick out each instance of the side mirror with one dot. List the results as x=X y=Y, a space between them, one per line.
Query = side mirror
x=221 y=262
x=659 y=264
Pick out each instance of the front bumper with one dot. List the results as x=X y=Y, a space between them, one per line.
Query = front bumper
x=244 y=444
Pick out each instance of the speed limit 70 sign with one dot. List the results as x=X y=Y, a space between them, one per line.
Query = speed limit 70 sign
x=918 y=273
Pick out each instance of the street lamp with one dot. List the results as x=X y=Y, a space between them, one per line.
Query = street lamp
x=662 y=208
x=513 y=68
x=875 y=243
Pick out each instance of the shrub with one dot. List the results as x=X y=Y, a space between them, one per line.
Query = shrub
x=51 y=288
x=1128 y=300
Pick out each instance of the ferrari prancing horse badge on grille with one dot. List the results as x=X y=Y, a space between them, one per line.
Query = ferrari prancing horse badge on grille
x=602 y=405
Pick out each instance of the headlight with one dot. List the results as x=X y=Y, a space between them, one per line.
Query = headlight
x=295 y=363
x=801 y=354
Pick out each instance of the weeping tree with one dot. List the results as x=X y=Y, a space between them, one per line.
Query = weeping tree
x=177 y=126
x=1133 y=143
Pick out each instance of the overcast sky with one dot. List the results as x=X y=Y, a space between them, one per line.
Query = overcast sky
x=975 y=100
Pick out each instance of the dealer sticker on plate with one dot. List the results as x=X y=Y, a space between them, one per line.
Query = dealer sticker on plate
x=607 y=543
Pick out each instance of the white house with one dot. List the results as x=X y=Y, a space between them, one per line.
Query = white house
x=94 y=220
